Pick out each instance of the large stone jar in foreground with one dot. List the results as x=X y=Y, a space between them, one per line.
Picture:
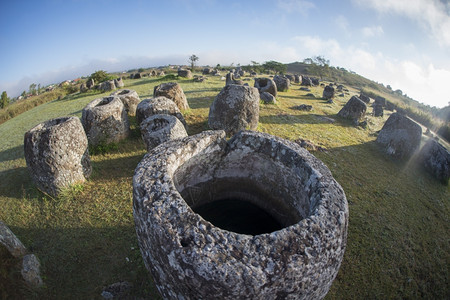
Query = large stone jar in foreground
x=56 y=153
x=257 y=217
x=105 y=121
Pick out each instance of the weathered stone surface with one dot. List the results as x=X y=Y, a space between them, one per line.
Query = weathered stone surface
x=185 y=73
x=354 y=109
x=207 y=71
x=162 y=73
x=328 y=92
x=303 y=107
x=130 y=100
x=173 y=91
x=107 y=86
x=315 y=81
x=105 y=121
x=158 y=106
x=305 y=89
x=290 y=77
x=56 y=152
x=390 y=106
x=377 y=110
x=282 y=82
x=400 y=136
x=83 y=88
x=306 y=81
x=192 y=258
x=90 y=83
x=31 y=270
x=364 y=98
x=158 y=129
x=119 y=82
x=266 y=85
x=136 y=76
x=235 y=108
x=297 y=78
x=267 y=98
x=380 y=101
x=436 y=160
x=11 y=242
x=118 y=290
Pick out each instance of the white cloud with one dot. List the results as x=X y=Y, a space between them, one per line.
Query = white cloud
x=372 y=31
x=434 y=15
x=292 y=6
x=342 y=22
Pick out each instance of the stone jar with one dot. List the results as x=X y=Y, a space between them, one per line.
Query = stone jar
x=129 y=98
x=174 y=92
x=158 y=129
x=105 y=121
x=56 y=153
x=255 y=217
x=158 y=106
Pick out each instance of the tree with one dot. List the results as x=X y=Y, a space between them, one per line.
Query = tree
x=192 y=59
x=274 y=66
x=4 y=100
x=318 y=65
x=32 y=89
x=24 y=94
x=100 y=76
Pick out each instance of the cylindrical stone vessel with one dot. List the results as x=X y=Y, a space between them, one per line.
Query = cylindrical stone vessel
x=130 y=100
x=255 y=217
x=105 y=121
x=56 y=153
x=158 y=129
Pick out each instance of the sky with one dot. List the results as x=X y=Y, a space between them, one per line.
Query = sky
x=401 y=43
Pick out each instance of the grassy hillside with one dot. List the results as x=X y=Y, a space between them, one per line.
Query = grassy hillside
x=398 y=242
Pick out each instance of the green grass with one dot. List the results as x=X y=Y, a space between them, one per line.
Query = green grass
x=398 y=242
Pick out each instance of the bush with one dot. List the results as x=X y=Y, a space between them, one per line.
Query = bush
x=101 y=76
x=169 y=77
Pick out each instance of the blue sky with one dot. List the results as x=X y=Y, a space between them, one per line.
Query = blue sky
x=403 y=43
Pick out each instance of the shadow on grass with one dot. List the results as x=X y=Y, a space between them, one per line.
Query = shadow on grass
x=115 y=168
x=16 y=182
x=214 y=89
x=200 y=102
x=283 y=118
x=78 y=263
x=12 y=154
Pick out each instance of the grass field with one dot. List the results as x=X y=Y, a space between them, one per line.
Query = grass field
x=398 y=241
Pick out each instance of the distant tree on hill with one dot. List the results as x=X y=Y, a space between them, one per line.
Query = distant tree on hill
x=274 y=66
x=193 y=59
x=32 y=89
x=100 y=76
x=318 y=65
x=24 y=94
x=4 y=100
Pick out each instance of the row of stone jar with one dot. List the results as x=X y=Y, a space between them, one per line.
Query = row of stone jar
x=56 y=151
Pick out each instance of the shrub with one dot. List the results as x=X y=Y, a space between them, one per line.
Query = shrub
x=101 y=76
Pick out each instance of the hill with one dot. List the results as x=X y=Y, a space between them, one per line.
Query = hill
x=399 y=215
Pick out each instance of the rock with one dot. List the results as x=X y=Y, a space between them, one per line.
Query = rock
x=107 y=86
x=354 y=109
x=11 y=242
x=389 y=106
x=297 y=78
x=364 y=98
x=342 y=95
x=306 y=81
x=330 y=101
x=206 y=71
x=118 y=83
x=283 y=255
x=56 y=153
x=380 y=101
x=290 y=77
x=253 y=74
x=90 y=83
x=215 y=72
x=305 y=89
x=266 y=85
x=282 y=83
x=315 y=81
x=310 y=95
x=174 y=92
x=130 y=100
x=267 y=98
x=153 y=73
x=83 y=88
x=136 y=76
x=363 y=124
x=328 y=92
x=157 y=106
x=158 y=129
x=308 y=145
x=161 y=73
x=325 y=119
x=436 y=160
x=199 y=78
x=118 y=290
x=105 y=121
x=230 y=79
x=339 y=88
x=31 y=270
x=377 y=110
x=185 y=73
x=400 y=136
x=303 y=107
x=235 y=108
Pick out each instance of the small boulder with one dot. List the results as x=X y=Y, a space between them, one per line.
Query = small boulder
x=31 y=270
x=161 y=73
x=235 y=108
x=305 y=89
x=266 y=85
x=435 y=158
x=105 y=121
x=380 y=101
x=83 y=88
x=315 y=81
x=11 y=242
x=107 y=86
x=156 y=106
x=267 y=98
x=130 y=100
x=297 y=78
x=185 y=73
x=136 y=76
x=364 y=98
x=158 y=129
x=119 y=82
x=290 y=77
x=378 y=110
x=90 y=83
x=282 y=82
x=306 y=81
x=206 y=71
x=400 y=136
x=303 y=107
x=390 y=106
x=231 y=79
x=173 y=91
x=328 y=92
x=354 y=109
